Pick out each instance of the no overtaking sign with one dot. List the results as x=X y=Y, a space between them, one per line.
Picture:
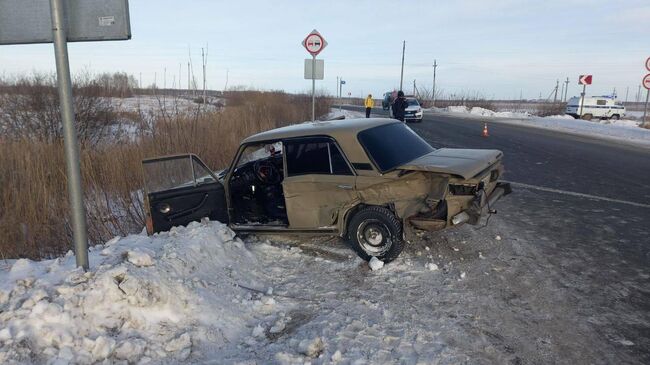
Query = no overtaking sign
x=314 y=43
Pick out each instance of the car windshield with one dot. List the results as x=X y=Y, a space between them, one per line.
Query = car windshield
x=413 y=102
x=392 y=145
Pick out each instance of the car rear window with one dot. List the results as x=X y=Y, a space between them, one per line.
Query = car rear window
x=392 y=145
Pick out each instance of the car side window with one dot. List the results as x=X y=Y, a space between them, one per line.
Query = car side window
x=317 y=155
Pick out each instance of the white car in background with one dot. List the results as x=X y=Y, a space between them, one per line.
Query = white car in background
x=603 y=107
x=413 y=111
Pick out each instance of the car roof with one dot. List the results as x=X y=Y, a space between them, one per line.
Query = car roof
x=332 y=128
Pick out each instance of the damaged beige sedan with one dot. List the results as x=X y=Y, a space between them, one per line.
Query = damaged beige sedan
x=374 y=182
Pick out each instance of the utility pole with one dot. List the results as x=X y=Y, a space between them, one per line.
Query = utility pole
x=337 y=87
x=188 y=77
x=638 y=94
x=557 y=84
x=433 y=91
x=204 y=57
x=401 y=78
x=566 y=89
x=627 y=90
x=562 y=92
x=414 y=89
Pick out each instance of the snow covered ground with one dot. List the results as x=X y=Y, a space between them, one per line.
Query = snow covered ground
x=150 y=104
x=624 y=130
x=201 y=295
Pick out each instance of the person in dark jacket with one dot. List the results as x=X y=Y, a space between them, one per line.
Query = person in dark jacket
x=399 y=106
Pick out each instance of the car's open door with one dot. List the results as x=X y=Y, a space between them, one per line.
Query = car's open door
x=180 y=189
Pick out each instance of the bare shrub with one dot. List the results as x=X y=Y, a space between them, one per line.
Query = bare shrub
x=468 y=102
x=549 y=109
x=30 y=110
x=34 y=206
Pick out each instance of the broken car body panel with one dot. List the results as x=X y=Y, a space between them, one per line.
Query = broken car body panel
x=462 y=162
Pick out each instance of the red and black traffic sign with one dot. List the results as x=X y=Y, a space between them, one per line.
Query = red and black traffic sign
x=584 y=80
x=314 y=43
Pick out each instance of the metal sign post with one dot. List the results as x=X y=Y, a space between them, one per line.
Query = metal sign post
x=314 y=43
x=59 y=22
x=69 y=134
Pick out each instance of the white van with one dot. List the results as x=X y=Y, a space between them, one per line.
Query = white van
x=603 y=107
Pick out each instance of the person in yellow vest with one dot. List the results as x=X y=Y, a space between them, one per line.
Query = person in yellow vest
x=369 y=103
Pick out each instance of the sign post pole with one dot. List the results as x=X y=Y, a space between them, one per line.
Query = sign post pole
x=69 y=134
x=313 y=89
x=314 y=44
x=582 y=99
x=645 y=109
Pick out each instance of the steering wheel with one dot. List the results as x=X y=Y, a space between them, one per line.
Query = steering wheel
x=266 y=172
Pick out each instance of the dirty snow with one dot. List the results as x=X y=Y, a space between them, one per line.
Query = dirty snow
x=336 y=113
x=625 y=130
x=200 y=295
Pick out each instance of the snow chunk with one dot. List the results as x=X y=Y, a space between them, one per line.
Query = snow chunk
x=375 y=264
x=498 y=238
x=311 y=348
x=431 y=266
x=139 y=258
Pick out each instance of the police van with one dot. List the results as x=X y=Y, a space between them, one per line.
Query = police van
x=603 y=107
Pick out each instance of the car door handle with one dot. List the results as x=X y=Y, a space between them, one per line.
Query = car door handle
x=346 y=187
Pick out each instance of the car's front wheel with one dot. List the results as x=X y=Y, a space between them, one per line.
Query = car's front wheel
x=376 y=232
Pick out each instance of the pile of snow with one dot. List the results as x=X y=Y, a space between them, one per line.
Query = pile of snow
x=343 y=114
x=625 y=130
x=148 y=298
x=482 y=112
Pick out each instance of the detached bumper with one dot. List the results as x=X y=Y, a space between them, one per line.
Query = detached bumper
x=480 y=203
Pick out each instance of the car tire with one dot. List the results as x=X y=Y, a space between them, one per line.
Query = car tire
x=375 y=232
x=615 y=117
x=587 y=116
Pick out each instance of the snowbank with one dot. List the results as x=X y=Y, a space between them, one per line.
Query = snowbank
x=148 y=298
x=343 y=114
x=624 y=130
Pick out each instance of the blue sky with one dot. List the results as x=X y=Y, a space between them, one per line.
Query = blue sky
x=497 y=48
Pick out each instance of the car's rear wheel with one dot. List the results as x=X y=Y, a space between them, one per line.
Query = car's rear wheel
x=376 y=232
x=587 y=116
x=615 y=117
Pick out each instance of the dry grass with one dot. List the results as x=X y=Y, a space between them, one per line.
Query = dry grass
x=34 y=219
x=549 y=109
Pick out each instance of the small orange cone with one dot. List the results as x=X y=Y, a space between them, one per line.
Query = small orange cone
x=485 y=130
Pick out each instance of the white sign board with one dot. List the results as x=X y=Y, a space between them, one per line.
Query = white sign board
x=319 y=69
x=30 y=21
x=314 y=43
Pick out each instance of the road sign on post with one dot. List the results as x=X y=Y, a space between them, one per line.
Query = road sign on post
x=583 y=80
x=647 y=64
x=58 y=22
x=314 y=43
x=646 y=84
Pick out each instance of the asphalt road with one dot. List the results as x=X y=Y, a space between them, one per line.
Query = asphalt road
x=578 y=228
